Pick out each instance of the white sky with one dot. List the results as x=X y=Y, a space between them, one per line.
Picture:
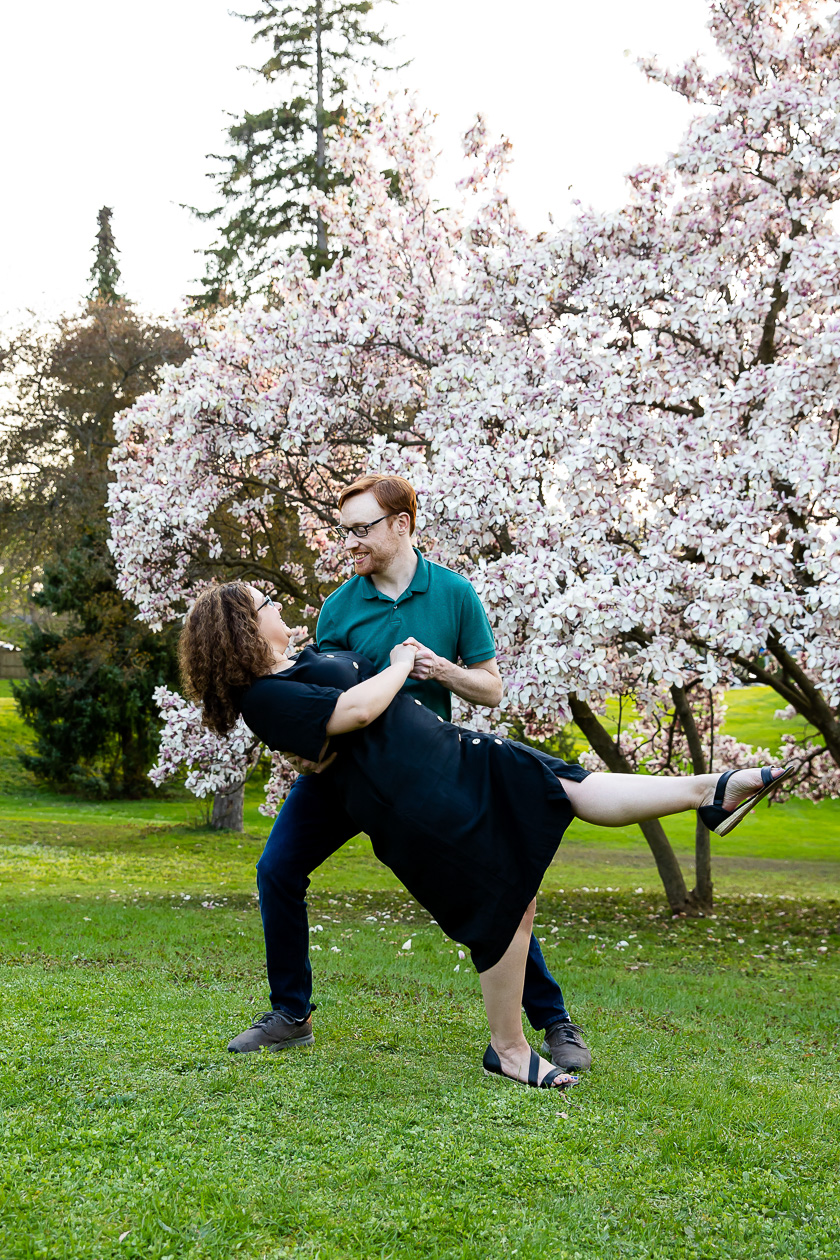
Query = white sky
x=116 y=104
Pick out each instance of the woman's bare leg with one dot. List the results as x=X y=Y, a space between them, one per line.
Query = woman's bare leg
x=502 y=989
x=614 y=800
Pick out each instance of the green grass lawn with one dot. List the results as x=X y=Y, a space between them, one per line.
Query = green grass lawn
x=707 y=1128
x=131 y=950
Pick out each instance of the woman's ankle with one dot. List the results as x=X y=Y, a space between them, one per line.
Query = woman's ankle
x=705 y=788
x=514 y=1044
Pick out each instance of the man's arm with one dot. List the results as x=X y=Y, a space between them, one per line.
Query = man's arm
x=330 y=634
x=480 y=683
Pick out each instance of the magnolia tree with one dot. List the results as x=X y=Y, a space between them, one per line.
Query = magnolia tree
x=216 y=766
x=625 y=433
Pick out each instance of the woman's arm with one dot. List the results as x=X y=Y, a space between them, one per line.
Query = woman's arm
x=362 y=704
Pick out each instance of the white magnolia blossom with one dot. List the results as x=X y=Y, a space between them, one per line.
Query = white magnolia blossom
x=624 y=432
x=214 y=763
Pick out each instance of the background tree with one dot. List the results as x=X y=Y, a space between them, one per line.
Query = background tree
x=645 y=499
x=279 y=154
x=93 y=666
x=105 y=273
x=93 y=670
x=709 y=304
x=279 y=157
x=390 y=360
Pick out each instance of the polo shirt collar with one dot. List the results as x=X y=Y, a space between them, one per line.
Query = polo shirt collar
x=418 y=585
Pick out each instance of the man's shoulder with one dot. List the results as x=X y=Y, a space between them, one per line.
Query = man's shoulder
x=448 y=579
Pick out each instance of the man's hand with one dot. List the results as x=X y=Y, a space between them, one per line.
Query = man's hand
x=480 y=683
x=302 y=766
x=427 y=664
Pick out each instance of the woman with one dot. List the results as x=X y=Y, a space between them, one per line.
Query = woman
x=469 y=822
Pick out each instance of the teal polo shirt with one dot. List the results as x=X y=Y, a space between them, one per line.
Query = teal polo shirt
x=440 y=609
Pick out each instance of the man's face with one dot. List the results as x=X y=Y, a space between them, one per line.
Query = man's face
x=374 y=553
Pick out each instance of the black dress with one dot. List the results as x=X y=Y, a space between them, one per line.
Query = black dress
x=467 y=821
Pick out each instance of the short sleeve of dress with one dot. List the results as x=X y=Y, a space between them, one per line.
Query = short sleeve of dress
x=289 y=716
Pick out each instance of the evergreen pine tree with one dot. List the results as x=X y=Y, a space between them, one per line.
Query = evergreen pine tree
x=105 y=273
x=92 y=665
x=279 y=153
x=92 y=669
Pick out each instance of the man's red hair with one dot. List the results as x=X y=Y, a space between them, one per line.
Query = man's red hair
x=393 y=494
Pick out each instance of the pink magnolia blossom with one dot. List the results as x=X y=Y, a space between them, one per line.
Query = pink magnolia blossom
x=624 y=432
x=211 y=763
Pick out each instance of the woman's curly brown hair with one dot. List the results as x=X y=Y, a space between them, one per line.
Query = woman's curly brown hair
x=220 y=649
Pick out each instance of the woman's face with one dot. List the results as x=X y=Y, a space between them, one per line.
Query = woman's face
x=272 y=626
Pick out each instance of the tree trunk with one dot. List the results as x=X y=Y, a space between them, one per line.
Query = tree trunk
x=703 y=894
x=228 y=809
x=793 y=685
x=320 y=143
x=679 y=898
x=134 y=765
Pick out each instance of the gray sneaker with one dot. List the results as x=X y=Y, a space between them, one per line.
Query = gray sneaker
x=273 y=1031
x=566 y=1048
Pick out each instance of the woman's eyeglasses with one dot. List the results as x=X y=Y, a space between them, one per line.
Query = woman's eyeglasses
x=268 y=600
x=361 y=531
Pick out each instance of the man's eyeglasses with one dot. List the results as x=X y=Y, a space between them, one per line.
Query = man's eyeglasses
x=361 y=531
x=268 y=600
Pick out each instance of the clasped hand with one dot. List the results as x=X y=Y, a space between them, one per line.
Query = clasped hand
x=404 y=653
x=427 y=664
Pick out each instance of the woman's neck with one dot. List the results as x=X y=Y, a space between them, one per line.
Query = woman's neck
x=281 y=660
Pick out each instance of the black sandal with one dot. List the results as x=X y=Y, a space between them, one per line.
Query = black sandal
x=720 y=820
x=493 y=1066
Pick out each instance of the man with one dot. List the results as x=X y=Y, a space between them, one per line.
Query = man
x=395 y=594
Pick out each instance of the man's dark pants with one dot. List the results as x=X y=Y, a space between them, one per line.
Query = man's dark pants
x=309 y=828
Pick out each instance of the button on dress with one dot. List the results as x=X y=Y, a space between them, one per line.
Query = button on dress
x=467 y=822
